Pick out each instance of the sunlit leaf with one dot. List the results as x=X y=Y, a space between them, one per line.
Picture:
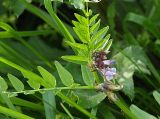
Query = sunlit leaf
x=93 y=19
x=76 y=59
x=33 y=84
x=48 y=77
x=107 y=47
x=99 y=35
x=77 y=46
x=81 y=19
x=95 y=27
x=103 y=43
x=80 y=34
x=3 y=85
x=17 y=84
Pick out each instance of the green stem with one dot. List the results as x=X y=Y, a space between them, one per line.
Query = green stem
x=96 y=77
x=6 y=34
x=56 y=88
x=125 y=109
x=65 y=98
x=59 y=24
x=14 y=114
x=153 y=70
x=67 y=111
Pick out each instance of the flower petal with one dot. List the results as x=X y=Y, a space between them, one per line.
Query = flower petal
x=109 y=62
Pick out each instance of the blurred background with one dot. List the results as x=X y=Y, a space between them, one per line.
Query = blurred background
x=135 y=30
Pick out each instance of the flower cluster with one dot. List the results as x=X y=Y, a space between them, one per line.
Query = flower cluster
x=108 y=71
x=104 y=65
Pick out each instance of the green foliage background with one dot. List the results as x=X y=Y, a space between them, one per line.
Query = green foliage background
x=44 y=49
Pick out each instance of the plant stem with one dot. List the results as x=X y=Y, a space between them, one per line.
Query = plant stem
x=65 y=98
x=56 y=88
x=6 y=34
x=67 y=111
x=14 y=114
x=125 y=109
x=96 y=77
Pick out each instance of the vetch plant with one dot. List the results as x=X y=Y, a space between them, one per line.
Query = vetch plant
x=99 y=77
x=91 y=52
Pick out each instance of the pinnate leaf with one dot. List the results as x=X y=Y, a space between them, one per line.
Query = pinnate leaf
x=99 y=35
x=87 y=75
x=3 y=84
x=48 y=77
x=76 y=59
x=33 y=84
x=65 y=75
x=93 y=19
x=17 y=84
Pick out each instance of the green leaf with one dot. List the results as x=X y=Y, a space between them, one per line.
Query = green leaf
x=157 y=96
x=95 y=27
x=3 y=85
x=89 y=99
x=143 y=21
x=33 y=84
x=49 y=104
x=17 y=84
x=109 y=44
x=18 y=8
x=103 y=43
x=111 y=14
x=48 y=77
x=81 y=31
x=78 y=4
x=76 y=59
x=80 y=35
x=81 y=48
x=140 y=114
x=88 y=77
x=99 y=35
x=93 y=19
x=77 y=46
x=14 y=114
x=26 y=73
x=127 y=62
x=81 y=19
x=65 y=75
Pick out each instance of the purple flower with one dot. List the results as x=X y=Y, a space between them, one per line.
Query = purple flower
x=103 y=65
x=109 y=73
x=109 y=62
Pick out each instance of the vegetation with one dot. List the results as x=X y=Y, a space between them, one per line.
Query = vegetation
x=79 y=59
